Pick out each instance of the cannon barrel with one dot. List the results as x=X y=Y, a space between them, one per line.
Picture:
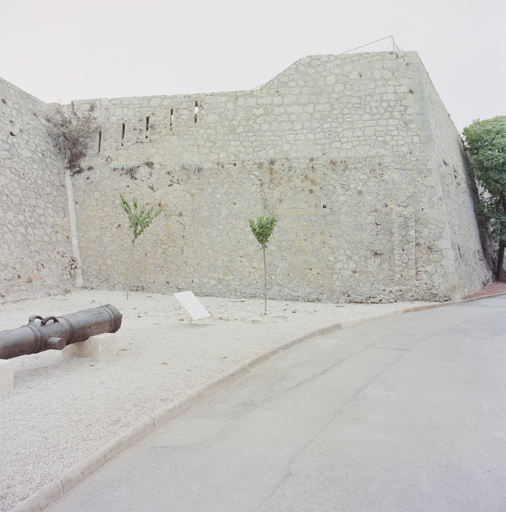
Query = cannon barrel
x=56 y=332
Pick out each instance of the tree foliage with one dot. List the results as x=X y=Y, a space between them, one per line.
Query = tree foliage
x=486 y=142
x=139 y=220
x=262 y=230
x=71 y=132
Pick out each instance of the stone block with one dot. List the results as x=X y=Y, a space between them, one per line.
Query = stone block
x=100 y=347
x=6 y=376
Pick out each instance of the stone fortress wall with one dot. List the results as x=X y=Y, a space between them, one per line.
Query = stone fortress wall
x=355 y=154
x=35 y=252
x=456 y=184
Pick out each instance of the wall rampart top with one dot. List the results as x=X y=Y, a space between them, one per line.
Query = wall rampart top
x=353 y=105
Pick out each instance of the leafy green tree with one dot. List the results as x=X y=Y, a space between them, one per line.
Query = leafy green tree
x=262 y=230
x=486 y=142
x=139 y=221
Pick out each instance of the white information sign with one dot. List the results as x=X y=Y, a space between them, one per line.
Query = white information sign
x=192 y=305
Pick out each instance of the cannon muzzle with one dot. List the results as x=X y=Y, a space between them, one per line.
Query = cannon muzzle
x=54 y=333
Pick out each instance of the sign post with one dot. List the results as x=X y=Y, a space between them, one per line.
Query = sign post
x=194 y=307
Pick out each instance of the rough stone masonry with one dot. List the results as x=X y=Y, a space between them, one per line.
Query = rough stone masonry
x=355 y=154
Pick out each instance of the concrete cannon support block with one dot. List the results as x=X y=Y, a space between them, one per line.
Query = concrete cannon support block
x=99 y=347
x=6 y=376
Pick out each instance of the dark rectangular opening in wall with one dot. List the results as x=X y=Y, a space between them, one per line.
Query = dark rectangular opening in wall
x=171 y=118
x=147 y=126
x=99 y=141
x=123 y=134
x=196 y=111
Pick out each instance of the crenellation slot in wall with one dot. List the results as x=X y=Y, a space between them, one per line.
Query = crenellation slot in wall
x=147 y=126
x=196 y=112
x=123 y=126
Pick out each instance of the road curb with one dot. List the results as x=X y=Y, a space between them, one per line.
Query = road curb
x=63 y=483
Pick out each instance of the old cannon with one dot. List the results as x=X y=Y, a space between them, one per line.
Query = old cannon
x=55 y=333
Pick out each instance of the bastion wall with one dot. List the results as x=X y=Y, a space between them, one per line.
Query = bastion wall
x=35 y=253
x=355 y=154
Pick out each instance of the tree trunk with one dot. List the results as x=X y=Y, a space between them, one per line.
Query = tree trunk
x=500 y=260
x=130 y=267
x=73 y=230
x=265 y=281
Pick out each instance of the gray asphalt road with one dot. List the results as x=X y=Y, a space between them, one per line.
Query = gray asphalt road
x=406 y=413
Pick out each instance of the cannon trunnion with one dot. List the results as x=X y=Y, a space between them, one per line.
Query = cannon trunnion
x=54 y=333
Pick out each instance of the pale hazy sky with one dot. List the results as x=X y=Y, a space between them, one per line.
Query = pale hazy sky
x=59 y=50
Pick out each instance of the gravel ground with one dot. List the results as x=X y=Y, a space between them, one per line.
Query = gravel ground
x=63 y=410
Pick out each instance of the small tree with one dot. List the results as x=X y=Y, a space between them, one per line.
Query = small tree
x=262 y=230
x=486 y=142
x=70 y=133
x=139 y=221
